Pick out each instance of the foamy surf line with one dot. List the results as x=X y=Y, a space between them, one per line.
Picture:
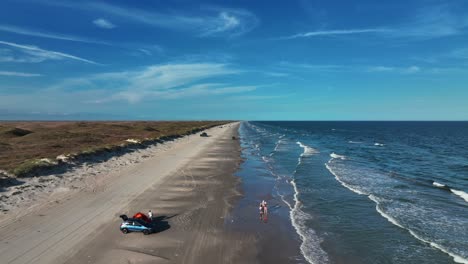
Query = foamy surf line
x=307 y=150
x=456 y=258
x=440 y=185
x=336 y=156
x=347 y=186
x=310 y=246
x=278 y=143
x=459 y=193
x=462 y=194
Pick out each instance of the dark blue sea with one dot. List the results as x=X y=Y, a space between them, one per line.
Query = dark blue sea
x=366 y=192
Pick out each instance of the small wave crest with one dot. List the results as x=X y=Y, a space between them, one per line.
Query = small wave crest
x=459 y=193
x=440 y=185
x=379 y=144
x=307 y=150
x=336 y=156
x=348 y=186
x=354 y=142
x=277 y=145
x=462 y=194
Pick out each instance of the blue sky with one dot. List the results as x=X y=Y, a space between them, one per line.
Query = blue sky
x=248 y=60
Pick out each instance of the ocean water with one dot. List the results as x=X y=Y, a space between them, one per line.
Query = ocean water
x=368 y=192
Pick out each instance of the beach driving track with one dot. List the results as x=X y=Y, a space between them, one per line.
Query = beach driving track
x=57 y=232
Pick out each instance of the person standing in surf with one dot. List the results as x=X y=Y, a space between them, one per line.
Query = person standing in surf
x=263 y=210
x=260 y=209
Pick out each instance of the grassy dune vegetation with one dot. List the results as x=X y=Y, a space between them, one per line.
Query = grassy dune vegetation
x=25 y=146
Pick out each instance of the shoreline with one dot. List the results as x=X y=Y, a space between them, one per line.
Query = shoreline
x=257 y=184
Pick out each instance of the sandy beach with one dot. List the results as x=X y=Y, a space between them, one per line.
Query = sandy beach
x=188 y=184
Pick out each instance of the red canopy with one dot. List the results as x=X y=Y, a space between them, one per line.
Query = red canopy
x=142 y=216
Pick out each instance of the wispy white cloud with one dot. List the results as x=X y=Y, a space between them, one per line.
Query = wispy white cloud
x=286 y=65
x=461 y=54
x=151 y=50
x=103 y=23
x=402 y=70
x=34 y=54
x=258 y=97
x=412 y=69
x=227 y=21
x=456 y=55
x=304 y=67
x=167 y=81
x=206 y=22
x=276 y=74
x=336 y=32
x=205 y=89
x=433 y=22
x=146 y=52
x=43 y=34
x=19 y=74
x=381 y=69
x=233 y=22
x=427 y=23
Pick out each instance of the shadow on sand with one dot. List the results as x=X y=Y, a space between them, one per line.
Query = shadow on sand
x=160 y=223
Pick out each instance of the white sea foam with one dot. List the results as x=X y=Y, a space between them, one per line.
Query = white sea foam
x=436 y=184
x=354 y=142
x=348 y=186
x=462 y=194
x=310 y=246
x=277 y=145
x=379 y=144
x=459 y=193
x=336 y=156
x=392 y=220
x=382 y=213
x=307 y=150
x=456 y=258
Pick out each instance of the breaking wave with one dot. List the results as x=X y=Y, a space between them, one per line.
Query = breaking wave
x=462 y=194
x=310 y=246
x=336 y=156
x=459 y=193
x=307 y=150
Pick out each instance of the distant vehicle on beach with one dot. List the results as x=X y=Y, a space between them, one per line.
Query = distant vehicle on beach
x=135 y=225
